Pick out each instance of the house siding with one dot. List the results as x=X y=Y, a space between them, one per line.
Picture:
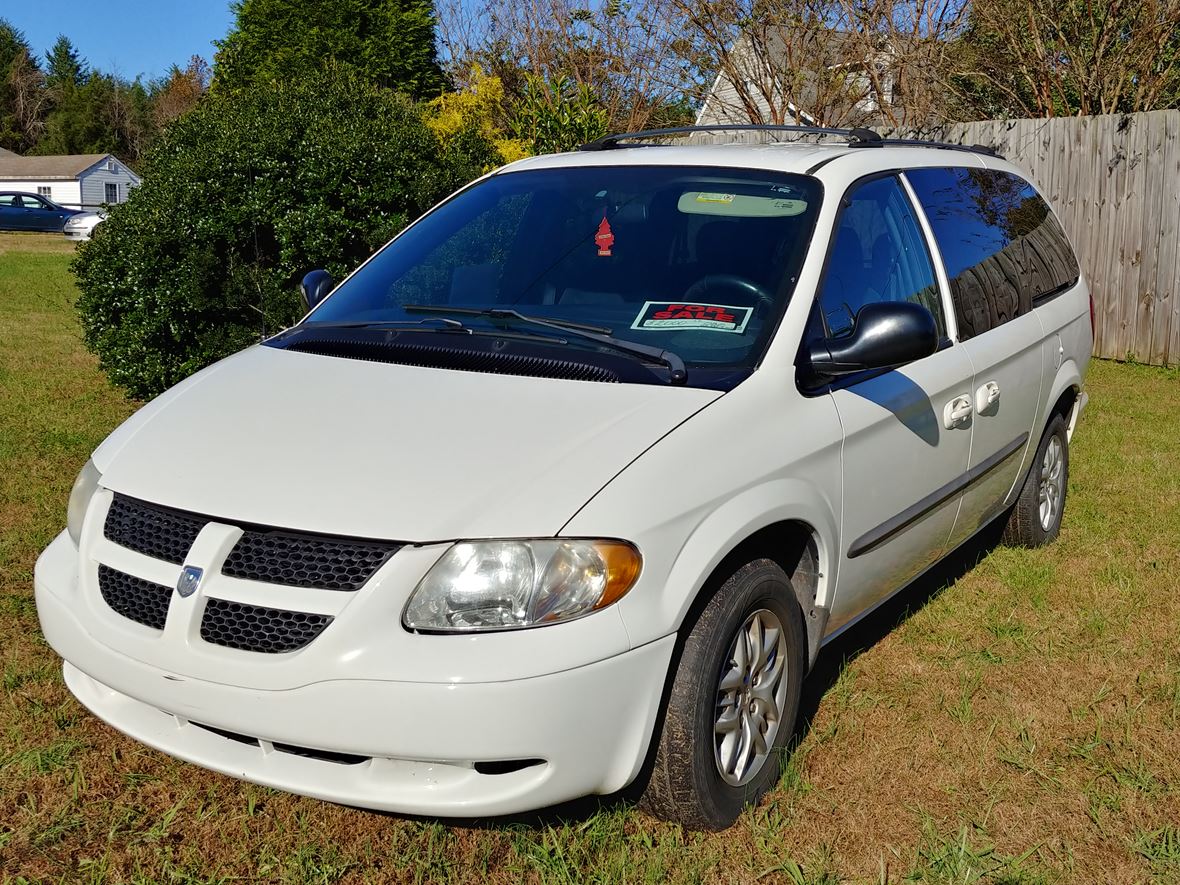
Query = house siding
x=66 y=193
x=95 y=179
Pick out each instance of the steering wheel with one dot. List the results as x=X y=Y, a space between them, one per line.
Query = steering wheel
x=734 y=283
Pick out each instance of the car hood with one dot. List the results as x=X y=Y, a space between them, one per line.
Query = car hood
x=366 y=449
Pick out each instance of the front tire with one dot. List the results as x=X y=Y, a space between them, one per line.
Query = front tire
x=733 y=702
x=1035 y=518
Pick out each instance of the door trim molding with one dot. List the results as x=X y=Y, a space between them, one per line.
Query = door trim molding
x=875 y=537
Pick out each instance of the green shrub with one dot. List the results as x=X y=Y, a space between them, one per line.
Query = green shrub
x=239 y=199
x=556 y=116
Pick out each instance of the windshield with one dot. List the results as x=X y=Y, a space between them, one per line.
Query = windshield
x=696 y=261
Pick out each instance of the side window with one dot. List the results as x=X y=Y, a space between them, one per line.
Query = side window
x=9 y=200
x=1002 y=247
x=1041 y=248
x=878 y=255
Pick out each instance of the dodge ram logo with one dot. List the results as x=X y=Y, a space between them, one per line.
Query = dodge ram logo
x=190 y=580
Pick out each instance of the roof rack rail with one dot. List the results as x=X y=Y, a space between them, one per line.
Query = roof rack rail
x=612 y=141
x=856 y=137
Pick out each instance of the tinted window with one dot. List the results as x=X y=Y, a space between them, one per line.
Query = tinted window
x=1002 y=247
x=878 y=254
x=698 y=261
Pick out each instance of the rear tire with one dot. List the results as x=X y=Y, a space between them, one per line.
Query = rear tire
x=733 y=702
x=1035 y=518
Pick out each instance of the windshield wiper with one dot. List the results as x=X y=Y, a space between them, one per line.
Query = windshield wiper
x=382 y=324
x=449 y=325
x=600 y=334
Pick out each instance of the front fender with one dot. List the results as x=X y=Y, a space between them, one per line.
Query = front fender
x=760 y=455
x=725 y=528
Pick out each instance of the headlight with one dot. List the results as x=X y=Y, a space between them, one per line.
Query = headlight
x=84 y=488
x=502 y=585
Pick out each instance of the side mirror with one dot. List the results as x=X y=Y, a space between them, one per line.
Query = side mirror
x=887 y=334
x=315 y=287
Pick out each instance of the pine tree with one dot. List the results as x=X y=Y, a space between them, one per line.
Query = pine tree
x=64 y=68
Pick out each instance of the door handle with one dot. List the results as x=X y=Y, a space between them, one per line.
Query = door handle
x=956 y=412
x=986 y=395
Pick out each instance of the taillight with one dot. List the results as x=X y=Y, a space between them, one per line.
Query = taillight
x=1091 y=316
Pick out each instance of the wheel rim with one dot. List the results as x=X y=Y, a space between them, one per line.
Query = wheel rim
x=750 y=698
x=1050 y=493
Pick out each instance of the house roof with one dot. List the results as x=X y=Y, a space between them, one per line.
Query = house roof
x=67 y=167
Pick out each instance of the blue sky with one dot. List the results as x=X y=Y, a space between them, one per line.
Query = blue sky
x=128 y=37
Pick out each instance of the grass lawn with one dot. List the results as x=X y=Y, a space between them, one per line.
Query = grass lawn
x=1013 y=719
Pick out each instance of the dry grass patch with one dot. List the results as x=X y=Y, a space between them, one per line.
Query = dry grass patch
x=35 y=244
x=1014 y=718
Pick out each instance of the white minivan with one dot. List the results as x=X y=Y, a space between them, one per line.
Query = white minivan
x=565 y=488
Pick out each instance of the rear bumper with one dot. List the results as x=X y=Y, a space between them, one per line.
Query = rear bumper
x=414 y=746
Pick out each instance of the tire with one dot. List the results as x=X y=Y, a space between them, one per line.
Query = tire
x=1048 y=477
x=687 y=785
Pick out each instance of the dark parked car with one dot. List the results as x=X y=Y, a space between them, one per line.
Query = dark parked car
x=21 y=211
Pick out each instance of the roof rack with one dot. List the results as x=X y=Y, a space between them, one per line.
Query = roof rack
x=855 y=137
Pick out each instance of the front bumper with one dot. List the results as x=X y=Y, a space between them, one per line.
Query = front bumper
x=433 y=748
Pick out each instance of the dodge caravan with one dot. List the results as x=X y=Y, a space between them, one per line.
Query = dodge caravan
x=567 y=486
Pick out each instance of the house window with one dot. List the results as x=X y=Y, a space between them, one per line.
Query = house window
x=111 y=167
x=112 y=192
x=44 y=191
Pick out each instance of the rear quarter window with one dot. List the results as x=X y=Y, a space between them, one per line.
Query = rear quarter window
x=1003 y=248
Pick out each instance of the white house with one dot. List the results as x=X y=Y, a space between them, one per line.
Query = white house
x=828 y=78
x=78 y=181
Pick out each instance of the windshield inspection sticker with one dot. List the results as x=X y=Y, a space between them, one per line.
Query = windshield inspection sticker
x=678 y=315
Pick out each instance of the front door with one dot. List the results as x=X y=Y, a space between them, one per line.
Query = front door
x=906 y=440
x=41 y=215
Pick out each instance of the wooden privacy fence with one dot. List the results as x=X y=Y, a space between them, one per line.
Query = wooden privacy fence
x=1114 y=181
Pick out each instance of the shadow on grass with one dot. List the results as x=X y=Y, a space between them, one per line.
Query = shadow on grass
x=833 y=659
x=856 y=640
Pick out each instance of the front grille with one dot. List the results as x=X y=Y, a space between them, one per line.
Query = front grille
x=255 y=628
x=305 y=560
x=134 y=598
x=158 y=532
x=275 y=556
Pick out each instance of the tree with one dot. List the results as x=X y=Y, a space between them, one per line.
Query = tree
x=1046 y=58
x=387 y=42
x=240 y=197
x=64 y=68
x=827 y=62
x=104 y=115
x=619 y=53
x=21 y=91
x=180 y=90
